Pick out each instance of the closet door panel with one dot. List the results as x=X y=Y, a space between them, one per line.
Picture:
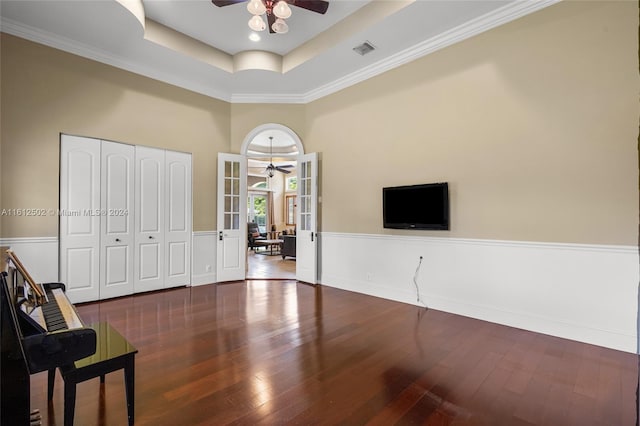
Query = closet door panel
x=116 y=214
x=178 y=219
x=80 y=217
x=149 y=222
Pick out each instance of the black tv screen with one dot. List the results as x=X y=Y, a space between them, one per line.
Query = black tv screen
x=416 y=206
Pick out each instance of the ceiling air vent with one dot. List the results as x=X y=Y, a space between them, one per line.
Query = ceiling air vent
x=364 y=48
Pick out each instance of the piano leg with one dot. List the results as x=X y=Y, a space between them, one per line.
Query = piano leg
x=69 y=403
x=50 y=382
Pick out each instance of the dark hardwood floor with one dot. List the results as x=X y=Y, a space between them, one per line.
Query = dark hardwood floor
x=261 y=265
x=280 y=352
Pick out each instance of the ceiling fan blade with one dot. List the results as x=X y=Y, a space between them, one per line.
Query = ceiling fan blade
x=318 y=6
x=271 y=19
x=286 y=166
x=222 y=3
x=281 y=170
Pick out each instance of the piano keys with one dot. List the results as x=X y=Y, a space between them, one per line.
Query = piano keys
x=56 y=312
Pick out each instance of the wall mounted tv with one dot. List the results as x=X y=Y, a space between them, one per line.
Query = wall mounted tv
x=416 y=206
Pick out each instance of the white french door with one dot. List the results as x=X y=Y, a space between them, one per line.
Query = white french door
x=80 y=217
x=116 y=243
x=149 y=222
x=307 y=239
x=231 y=217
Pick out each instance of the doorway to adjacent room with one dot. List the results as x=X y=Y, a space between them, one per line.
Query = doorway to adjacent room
x=271 y=151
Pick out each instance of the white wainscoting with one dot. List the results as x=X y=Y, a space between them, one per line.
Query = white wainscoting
x=39 y=256
x=581 y=292
x=203 y=258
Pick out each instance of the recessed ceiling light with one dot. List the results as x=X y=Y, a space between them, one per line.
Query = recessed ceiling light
x=254 y=37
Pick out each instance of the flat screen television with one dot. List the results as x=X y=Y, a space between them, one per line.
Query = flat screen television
x=416 y=206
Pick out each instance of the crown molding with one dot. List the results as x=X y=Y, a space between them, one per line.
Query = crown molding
x=80 y=49
x=257 y=98
x=462 y=32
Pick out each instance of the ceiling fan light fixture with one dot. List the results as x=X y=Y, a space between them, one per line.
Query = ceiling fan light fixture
x=276 y=10
x=256 y=7
x=280 y=26
x=256 y=23
x=282 y=10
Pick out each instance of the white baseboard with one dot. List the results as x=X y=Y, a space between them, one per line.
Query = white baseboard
x=580 y=292
x=203 y=279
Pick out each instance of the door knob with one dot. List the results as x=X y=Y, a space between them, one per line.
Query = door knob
x=151 y=237
x=117 y=240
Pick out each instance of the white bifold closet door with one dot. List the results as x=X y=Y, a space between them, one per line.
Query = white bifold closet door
x=116 y=220
x=150 y=216
x=79 y=241
x=96 y=218
x=125 y=218
x=177 y=218
x=163 y=219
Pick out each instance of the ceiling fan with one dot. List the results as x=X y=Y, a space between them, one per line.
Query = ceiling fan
x=271 y=168
x=318 y=6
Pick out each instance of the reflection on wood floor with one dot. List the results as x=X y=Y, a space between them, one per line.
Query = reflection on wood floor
x=264 y=266
x=281 y=352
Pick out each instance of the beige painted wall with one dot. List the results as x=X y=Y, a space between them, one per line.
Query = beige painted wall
x=533 y=124
x=246 y=117
x=46 y=92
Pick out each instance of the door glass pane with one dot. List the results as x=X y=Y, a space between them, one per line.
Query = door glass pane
x=305 y=183
x=232 y=192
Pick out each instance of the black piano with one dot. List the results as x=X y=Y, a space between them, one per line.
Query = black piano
x=40 y=330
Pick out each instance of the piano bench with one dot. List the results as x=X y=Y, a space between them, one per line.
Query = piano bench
x=113 y=352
